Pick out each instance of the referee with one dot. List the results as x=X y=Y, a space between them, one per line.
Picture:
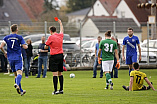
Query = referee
x=55 y=41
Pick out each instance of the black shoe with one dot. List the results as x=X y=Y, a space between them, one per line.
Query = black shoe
x=94 y=77
x=17 y=88
x=125 y=88
x=100 y=77
x=37 y=77
x=106 y=88
x=59 y=92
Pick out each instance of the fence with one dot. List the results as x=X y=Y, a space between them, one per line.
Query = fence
x=89 y=28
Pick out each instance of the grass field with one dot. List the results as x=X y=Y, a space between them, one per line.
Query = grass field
x=82 y=89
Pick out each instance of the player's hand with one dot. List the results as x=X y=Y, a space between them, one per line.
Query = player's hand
x=59 y=21
x=5 y=54
x=99 y=60
x=139 y=58
x=118 y=64
x=123 y=58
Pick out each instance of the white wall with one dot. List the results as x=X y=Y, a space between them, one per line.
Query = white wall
x=99 y=10
x=89 y=29
x=123 y=7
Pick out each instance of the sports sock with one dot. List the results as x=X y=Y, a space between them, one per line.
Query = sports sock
x=19 y=86
x=108 y=77
x=130 y=71
x=18 y=79
x=107 y=83
x=61 y=82
x=55 y=82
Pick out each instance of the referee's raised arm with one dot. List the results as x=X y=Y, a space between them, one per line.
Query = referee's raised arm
x=61 y=26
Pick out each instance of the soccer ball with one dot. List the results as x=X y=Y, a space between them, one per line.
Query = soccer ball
x=72 y=75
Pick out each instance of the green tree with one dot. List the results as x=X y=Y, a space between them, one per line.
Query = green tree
x=75 y=5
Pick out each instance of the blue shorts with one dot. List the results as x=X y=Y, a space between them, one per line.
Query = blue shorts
x=131 y=59
x=15 y=65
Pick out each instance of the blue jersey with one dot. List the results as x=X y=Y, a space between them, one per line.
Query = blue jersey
x=97 y=49
x=14 y=43
x=131 y=43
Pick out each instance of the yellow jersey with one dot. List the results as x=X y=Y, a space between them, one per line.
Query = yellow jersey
x=138 y=78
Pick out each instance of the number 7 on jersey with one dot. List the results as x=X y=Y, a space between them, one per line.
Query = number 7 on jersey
x=13 y=43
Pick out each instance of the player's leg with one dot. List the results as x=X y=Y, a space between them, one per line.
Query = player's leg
x=55 y=81
x=126 y=87
x=40 y=61
x=110 y=70
x=95 y=67
x=129 y=63
x=60 y=70
x=18 y=67
x=149 y=86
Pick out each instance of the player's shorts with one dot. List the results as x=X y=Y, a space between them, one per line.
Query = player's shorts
x=56 y=63
x=16 y=65
x=107 y=65
x=131 y=59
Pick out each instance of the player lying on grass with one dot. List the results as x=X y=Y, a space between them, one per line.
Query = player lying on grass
x=136 y=80
x=14 y=43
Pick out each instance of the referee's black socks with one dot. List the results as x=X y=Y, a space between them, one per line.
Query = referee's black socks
x=55 y=82
x=61 y=82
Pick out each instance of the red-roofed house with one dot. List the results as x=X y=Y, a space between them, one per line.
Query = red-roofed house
x=103 y=8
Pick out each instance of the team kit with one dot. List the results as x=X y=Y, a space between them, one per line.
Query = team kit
x=107 y=47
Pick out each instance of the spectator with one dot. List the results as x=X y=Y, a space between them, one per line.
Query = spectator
x=115 y=60
x=43 y=56
x=24 y=55
x=4 y=62
x=96 y=59
x=29 y=52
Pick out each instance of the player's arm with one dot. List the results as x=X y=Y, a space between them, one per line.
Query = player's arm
x=99 y=53
x=123 y=57
x=131 y=83
x=61 y=26
x=139 y=49
x=1 y=47
x=148 y=82
x=24 y=46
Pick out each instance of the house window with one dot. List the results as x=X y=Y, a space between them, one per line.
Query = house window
x=123 y=14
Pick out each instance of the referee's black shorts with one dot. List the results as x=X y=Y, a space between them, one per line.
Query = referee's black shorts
x=56 y=63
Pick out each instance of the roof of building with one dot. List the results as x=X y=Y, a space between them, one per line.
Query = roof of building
x=141 y=14
x=12 y=11
x=79 y=12
x=122 y=24
x=110 y=5
x=32 y=8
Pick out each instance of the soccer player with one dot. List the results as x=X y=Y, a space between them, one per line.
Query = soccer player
x=131 y=54
x=136 y=80
x=108 y=47
x=14 y=43
x=55 y=41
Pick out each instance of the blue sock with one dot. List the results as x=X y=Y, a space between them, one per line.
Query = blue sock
x=130 y=71
x=19 y=86
x=18 y=79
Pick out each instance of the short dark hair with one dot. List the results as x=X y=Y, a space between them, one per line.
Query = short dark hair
x=99 y=37
x=14 y=27
x=108 y=33
x=136 y=65
x=52 y=28
x=130 y=28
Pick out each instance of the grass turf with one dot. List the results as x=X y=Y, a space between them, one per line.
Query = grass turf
x=82 y=89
